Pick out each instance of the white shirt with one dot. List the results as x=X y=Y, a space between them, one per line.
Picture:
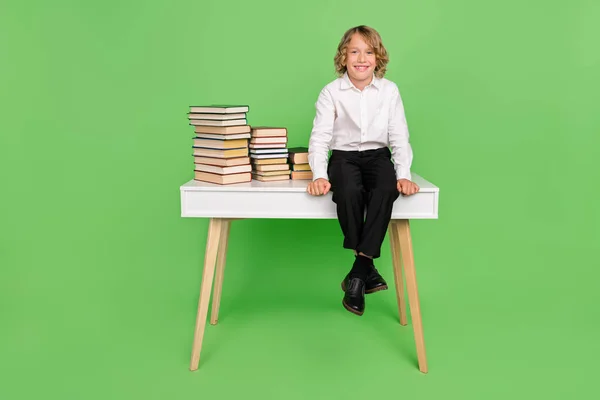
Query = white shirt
x=350 y=119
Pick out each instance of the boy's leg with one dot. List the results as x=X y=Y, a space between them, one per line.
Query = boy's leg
x=348 y=194
x=379 y=179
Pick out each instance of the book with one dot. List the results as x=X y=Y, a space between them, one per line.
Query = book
x=222 y=179
x=218 y=117
x=220 y=153
x=262 y=131
x=274 y=156
x=272 y=173
x=267 y=146
x=268 y=161
x=271 y=167
x=223 y=162
x=220 y=109
x=222 y=130
x=223 y=137
x=300 y=167
x=210 y=122
x=298 y=155
x=302 y=175
x=270 y=178
x=269 y=150
x=223 y=170
x=221 y=144
x=269 y=139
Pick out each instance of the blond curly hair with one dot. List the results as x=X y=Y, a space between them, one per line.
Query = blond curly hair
x=371 y=36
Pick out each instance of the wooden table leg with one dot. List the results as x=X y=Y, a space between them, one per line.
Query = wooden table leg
x=210 y=257
x=218 y=286
x=403 y=231
x=397 y=264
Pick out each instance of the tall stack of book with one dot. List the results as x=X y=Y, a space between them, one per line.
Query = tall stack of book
x=298 y=159
x=269 y=153
x=221 y=144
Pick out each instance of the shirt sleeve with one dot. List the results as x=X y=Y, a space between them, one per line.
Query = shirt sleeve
x=321 y=135
x=402 y=154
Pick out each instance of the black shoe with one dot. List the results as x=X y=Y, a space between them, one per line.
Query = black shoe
x=374 y=282
x=354 y=297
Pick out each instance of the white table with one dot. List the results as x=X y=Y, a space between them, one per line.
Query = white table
x=289 y=200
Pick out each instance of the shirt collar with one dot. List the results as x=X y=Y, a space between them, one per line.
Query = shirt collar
x=346 y=83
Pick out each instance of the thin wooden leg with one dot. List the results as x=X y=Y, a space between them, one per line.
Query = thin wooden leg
x=397 y=263
x=210 y=256
x=403 y=231
x=221 y=256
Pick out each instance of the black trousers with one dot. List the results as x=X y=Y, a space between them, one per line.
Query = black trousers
x=363 y=181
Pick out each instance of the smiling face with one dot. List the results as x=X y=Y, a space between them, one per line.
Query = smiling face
x=360 y=61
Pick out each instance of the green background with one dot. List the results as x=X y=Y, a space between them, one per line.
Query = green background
x=100 y=275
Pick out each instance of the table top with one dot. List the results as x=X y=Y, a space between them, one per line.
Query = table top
x=288 y=199
x=290 y=185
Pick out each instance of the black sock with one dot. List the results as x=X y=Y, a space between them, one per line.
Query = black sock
x=361 y=267
x=365 y=259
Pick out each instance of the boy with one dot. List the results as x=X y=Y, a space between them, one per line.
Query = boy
x=357 y=117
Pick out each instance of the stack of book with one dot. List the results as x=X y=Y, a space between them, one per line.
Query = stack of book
x=269 y=154
x=221 y=144
x=298 y=160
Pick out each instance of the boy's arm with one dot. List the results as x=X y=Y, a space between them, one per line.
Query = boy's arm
x=398 y=137
x=320 y=137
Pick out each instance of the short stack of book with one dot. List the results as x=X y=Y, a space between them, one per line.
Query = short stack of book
x=298 y=159
x=269 y=154
x=221 y=144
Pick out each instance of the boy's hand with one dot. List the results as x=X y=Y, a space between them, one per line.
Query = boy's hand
x=407 y=187
x=318 y=187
